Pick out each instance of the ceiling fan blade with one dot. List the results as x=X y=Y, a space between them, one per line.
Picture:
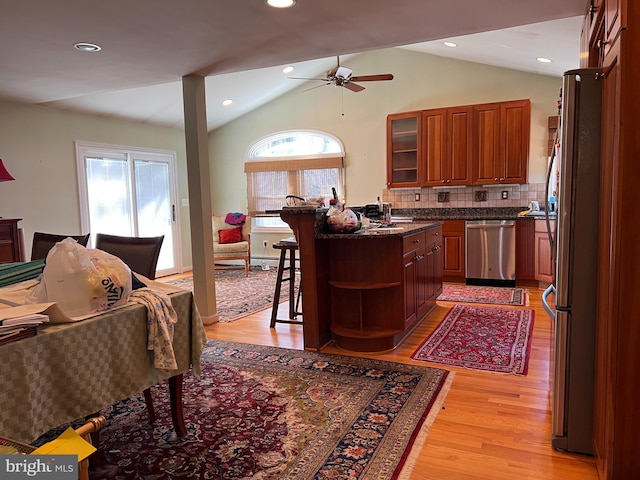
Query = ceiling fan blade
x=372 y=78
x=305 y=78
x=354 y=87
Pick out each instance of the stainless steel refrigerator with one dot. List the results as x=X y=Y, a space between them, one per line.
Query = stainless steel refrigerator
x=576 y=241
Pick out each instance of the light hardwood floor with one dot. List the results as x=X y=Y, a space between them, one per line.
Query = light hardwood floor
x=492 y=426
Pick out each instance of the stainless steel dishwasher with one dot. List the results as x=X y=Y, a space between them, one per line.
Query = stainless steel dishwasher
x=490 y=252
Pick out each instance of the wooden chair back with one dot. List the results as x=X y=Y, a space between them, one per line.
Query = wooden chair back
x=139 y=253
x=43 y=242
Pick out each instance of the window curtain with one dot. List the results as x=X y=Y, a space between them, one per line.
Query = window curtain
x=270 y=181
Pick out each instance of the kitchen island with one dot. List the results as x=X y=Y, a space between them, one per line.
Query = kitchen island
x=365 y=291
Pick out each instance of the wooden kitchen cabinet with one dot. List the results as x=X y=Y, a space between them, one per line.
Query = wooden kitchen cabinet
x=434 y=265
x=422 y=258
x=447 y=136
x=453 y=250
x=592 y=34
x=501 y=142
x=404 y=150
x=545 y=258
x=382 y=287
x=464 y=145
x=415 y=277
x=616 y=428
x=10 y=243
x=525 y=250
x=615 y=19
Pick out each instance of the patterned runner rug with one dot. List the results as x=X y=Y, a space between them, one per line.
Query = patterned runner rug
x=482 y=338
x=270 y=413
x=476 y=294
x=238 y=296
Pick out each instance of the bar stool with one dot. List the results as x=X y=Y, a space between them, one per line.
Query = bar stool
x=286 y=246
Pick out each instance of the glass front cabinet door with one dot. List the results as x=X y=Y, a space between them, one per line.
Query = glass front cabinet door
x=404 y=150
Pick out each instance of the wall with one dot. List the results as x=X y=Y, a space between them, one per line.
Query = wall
x=420 y=81
x=37 y=146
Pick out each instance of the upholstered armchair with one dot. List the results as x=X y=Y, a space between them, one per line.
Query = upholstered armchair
x=231 y=242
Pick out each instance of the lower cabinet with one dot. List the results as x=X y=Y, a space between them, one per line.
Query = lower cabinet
x=525 y=248
x=415 y=281
x=422 y=259
x=453 y=250
x=545 y=259
x=535 y=259
x=382 y=287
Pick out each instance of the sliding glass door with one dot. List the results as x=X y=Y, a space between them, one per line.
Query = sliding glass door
x=132 y=193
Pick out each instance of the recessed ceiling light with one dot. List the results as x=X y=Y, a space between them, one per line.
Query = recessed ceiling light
x=543 y=60
x=281 y=3
x=287 y=69
x=450 y=44
x=87 y=47
x=226 y=103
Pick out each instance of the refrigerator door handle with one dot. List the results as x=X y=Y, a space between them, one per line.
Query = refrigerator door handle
x=567 y=147
x=545 y=303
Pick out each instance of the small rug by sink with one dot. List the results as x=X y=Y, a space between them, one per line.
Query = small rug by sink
x=496 y=339
x=495 y=295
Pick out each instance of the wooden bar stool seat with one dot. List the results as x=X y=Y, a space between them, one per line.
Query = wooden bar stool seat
x=290 y=247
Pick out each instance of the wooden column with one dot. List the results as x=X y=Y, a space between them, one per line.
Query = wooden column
x=195 y=120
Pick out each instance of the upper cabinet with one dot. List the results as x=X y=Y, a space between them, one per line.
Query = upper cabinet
x=404 y=150
x=601 y=26
x=501 y=142
x=447 y=146
x=465 y=145
x=614 y=19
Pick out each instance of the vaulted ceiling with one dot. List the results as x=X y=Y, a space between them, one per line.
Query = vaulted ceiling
x=149 y=45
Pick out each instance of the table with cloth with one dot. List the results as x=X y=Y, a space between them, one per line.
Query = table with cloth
x=71 y=370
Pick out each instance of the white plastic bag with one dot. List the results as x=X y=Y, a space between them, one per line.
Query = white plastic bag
x=345 y=221
x=82 y=281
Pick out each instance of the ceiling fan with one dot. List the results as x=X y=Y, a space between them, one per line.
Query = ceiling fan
x=342 y=77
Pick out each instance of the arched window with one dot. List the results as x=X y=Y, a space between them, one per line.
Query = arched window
x=305 y=163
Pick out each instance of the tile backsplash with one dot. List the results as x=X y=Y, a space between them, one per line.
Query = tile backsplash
x=465 y=197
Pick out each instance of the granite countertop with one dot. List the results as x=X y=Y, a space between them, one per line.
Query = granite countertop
x=473 y=213
x=398 y=229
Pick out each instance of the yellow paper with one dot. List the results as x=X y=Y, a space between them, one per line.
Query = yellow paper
x=68 y=443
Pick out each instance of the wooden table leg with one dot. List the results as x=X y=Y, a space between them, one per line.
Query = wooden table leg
x=175 y=395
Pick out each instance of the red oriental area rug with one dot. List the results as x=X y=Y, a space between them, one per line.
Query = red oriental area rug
x=481 y=338
x=266 y=413
x=476 y=294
